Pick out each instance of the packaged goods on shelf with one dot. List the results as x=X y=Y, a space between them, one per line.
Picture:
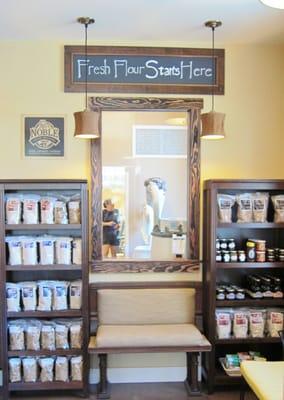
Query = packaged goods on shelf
x=59 y=298
x=47 y=210
x=256 y=323
x=74 y=211
x=45 y=369
x=46 y=250
x=45 y=289
x=275 y=322
x=30 y=369
x=240 y=324
x=13 y=208
x=61 y=369
x=32 y=330
x=76 y=334
x=15 y=373
x=63 y=250
x=46 y=365
x=15 y=250
x=47 y=337
x=28 y=295
x=24 y=208
x=61 y=335
x=13 y=297
x=60 y=212
x=278 y=204
x=260 y=206
x=75 y=295
x=244 y=201
x=77 y=251
x=16 y=331
x=224 y=324
x=76 y=368
x=225 y=204
x=30 y=208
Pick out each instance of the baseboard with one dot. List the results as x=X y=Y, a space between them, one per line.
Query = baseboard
x=140 y=375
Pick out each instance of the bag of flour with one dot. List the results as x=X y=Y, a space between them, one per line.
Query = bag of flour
x=61 y=369
x=63 y=250
x=29 y=295
x=46 y=369
x=76 y=368
x=15 y=374
x=60 y=212
x=75 y=295
x=30 y=208
x=260 y=206
x=74 y=212
x=47 y=210
x=33 y=330
x=76 y=334
x=15 y=250
x=225 y=203
x=47 y=335
x=59 y=301
x=16 y=331
x=244 y=201
x=13 y=208
x=77 y=251
x=278 y=204
x=45 y=292
x=29 y=369
x=13 y=297
x=29 y=248
x=46 y=250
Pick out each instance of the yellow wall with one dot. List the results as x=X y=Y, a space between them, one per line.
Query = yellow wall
x=31 y=82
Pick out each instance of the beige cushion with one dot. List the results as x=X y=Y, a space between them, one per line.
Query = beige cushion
x=146 y=306
x=148 y=335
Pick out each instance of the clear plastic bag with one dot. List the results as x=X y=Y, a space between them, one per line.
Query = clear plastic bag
x=47 y=335
x=278 y=204
x=74 y=212
x=33 y=331
x=275 y=322
x=46 y=369
x=256 y=323
x=29 y=369
x=223 y=325
x=61 y=369
x=244 y=201
x=61 y=335
x=260 y=206
x=15 y=373
x=240 y=324
x=76 y=368
x=225 y=204
x=60 y=212
x=76 y=334
x=16 y=331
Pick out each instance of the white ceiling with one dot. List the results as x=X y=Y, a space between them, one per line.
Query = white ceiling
x=144 y=21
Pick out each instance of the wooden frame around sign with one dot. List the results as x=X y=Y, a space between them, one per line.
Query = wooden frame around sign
x=71 y=86
x=192 y=107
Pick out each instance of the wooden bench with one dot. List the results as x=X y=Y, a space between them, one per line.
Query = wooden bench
x=147 y=321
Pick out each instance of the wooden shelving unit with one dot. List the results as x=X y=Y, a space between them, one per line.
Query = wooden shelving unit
x=234 y=273
x=15 y=273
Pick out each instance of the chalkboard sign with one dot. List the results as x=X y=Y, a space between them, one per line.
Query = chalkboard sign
x=144 y=70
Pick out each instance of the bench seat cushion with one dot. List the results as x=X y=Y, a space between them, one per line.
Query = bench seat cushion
x=148 y=335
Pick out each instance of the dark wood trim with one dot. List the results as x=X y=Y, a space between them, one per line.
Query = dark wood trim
x=192 y=107
x=144 y=104
x=70 y=86
x=144 y=266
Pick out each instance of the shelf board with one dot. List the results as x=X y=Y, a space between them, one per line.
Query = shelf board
x=221 y=378
x=251 y=225
x=248 y=340
x=45 y=386
x=31 y=227
x=36 y=353
x=39 y=267
x=250 y=302
x=45 y=314
x=233 y=265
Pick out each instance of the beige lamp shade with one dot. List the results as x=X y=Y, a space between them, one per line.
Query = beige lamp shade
x=212 y=125
x=87 y=124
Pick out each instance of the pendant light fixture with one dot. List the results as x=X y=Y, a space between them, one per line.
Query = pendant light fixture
x=213 y=122
x=87 y=121
x=274 y=3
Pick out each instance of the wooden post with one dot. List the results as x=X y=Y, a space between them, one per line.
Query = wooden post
x=191 y=383
x=103 y=387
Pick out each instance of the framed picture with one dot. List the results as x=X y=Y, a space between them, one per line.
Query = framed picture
x=44 y=136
